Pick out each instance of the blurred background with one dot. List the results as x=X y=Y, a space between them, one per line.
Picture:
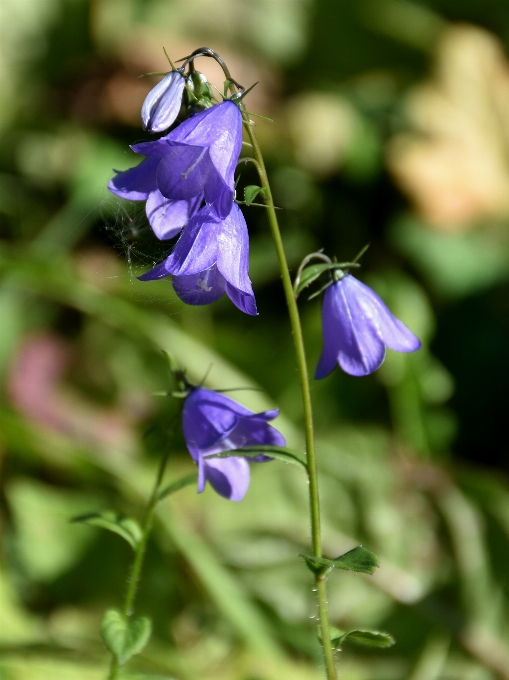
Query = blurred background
x=391 y=126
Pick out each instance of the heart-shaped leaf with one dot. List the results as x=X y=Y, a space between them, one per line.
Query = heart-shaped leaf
x=124 y=637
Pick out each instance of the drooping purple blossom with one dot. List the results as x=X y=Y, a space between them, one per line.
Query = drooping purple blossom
x=199 y=157
x=357 y=327
x=163 y=102
x=213 y=423
x=166 y=217
x=211 y=257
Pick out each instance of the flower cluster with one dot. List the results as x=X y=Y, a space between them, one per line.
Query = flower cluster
x=187 y=181
x=213 y=423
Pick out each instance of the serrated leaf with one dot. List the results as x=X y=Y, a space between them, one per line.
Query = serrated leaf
x=370 y=638
x=121 y=525
x=252 y=191
x=277 y=452
x=359 y=559
x=124 y=637
x=179 y=484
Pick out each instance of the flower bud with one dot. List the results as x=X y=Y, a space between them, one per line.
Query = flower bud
x=199 y=96
x=162 y=104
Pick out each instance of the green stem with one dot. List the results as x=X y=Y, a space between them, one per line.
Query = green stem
x=139 y=555
x=314 y=500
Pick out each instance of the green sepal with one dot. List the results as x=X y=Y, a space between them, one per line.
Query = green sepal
x=119 y=524
x=124 y=637
x=359 y=559
x=252 y=191
x=179 y=484
x=277 y=452
x=370 y=638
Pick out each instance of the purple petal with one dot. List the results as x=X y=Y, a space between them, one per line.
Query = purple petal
x=196 y=249
x=228 y=476
x=199 y=289
x=233 y=250
x=158 y=272
x=209 y=417
x=136 y=184
x=350 y=337
x=166 y=217
x=243 y=301
x=184 y=170
x=156 y=149
x=163 y=102
x=391 y=330
x=219 y=128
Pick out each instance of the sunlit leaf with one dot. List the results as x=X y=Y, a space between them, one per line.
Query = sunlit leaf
x=124 y=526
x=252 y=191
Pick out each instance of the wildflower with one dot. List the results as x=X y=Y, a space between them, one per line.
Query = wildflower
x=199 y=157
x=166 y=217
x=211 y=257
x=213 y=423
x=163 y=102
x=357 y=327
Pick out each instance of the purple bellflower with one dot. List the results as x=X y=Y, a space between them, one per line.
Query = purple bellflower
x=213 y=423
x=166 y=217
x=357 y=327
x=199 y=157
x=163 y=102
x=210 y=258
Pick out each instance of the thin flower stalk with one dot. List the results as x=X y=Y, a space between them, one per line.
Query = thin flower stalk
x=314 y=498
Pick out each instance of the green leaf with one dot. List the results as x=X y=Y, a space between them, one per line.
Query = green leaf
x=252 y=191
x=358 y=559
x=179 y=484
x=371 y=638
x=124 y=637
x=277 y=452
x=310 y=274
x=124 y=526
x=314 y=271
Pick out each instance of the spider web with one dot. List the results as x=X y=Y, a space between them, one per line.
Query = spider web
x=130 y=233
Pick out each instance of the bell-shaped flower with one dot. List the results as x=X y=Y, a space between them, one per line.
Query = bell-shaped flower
x=213 y=423
x=166 y=217
x=211 y=257
x=163 y=102
x=357 y=327
x=199 y=157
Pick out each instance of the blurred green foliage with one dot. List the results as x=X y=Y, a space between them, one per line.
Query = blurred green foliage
x=413 y=460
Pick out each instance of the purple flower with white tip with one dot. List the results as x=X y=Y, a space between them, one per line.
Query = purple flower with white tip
x=210 y=258
x=199 y=157
x=357 y=327
x=163 y=102
x=166 y=217
x=213 y=423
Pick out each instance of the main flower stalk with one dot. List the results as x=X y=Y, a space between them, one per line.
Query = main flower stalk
x=314 y=498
